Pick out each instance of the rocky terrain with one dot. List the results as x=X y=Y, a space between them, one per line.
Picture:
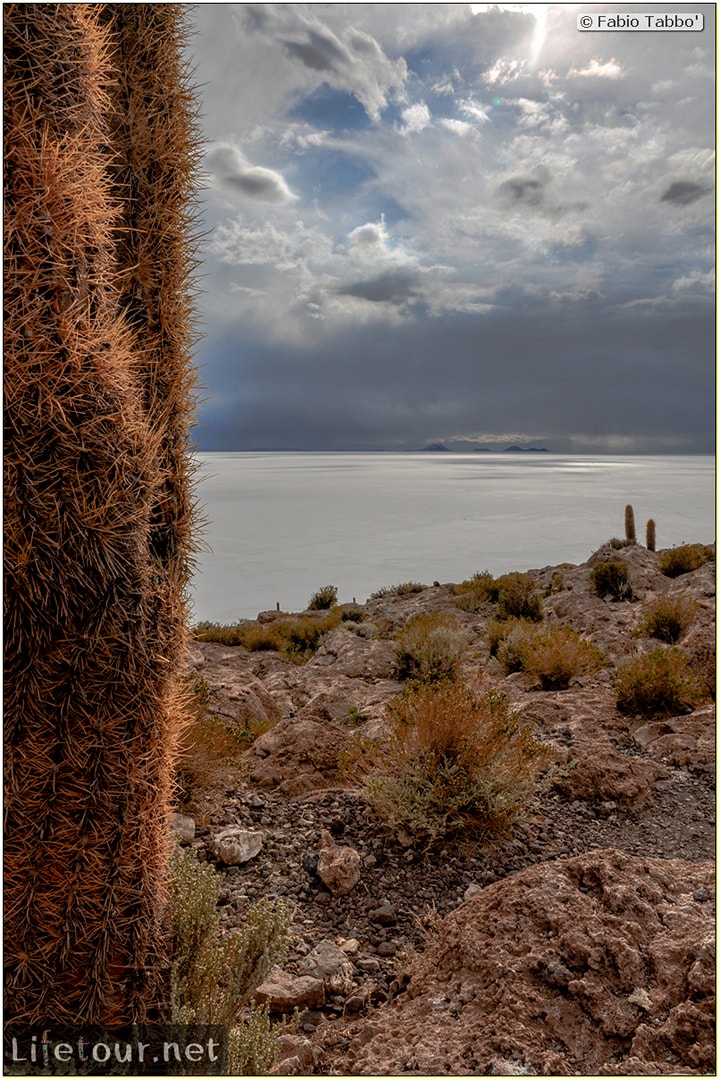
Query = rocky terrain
x=580 y=943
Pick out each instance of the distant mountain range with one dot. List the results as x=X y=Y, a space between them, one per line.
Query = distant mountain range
x=437 y=448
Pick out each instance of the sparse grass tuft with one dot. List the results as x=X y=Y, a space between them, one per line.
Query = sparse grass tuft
x=668 y=618
x=407 y=588
x=431 y=647
x=681 y=560
x=658 y=683
x=297 y=636
x=611 y=579
x=454 y=763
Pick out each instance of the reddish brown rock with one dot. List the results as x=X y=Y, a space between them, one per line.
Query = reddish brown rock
x=338 y=866
x=284 y=992
x=298 y=755
x=597 y=964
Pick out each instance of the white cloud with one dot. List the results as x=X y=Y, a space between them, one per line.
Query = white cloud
x=415 y=118
x=597 y=70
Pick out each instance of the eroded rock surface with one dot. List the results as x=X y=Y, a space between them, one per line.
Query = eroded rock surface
x=598 y=964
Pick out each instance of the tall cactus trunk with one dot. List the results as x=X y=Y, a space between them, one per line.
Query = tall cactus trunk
x=630 y=535
x=155 y=153
x=92 y=652
x=650 y=535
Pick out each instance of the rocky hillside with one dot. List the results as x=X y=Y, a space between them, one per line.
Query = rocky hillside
x=581 y=941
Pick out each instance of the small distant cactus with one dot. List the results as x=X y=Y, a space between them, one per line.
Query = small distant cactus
x=630 y=536
x=650 y=535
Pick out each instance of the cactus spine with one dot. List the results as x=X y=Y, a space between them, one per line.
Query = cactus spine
x=630 y=536
x=96 y=557
x=650 y=535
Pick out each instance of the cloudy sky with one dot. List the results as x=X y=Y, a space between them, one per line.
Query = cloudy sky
x=466 y=223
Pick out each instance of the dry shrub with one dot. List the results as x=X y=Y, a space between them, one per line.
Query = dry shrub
x=213 y=976
x=668 y=618
x=478 y=590
x=210 y=751
x=659 y=683
x=611 y=579
x=297 y=636
x=513 y=646
x=454 y=762
x=681 y=560
x=323 y=599
x=518 y=597
x=554 y=655
x=429 y=648
x=558 y=655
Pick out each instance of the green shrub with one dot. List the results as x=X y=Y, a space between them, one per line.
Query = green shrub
x=453 y=763
x=323 y=599
x=681 y=560
x=407 y=588
x=429 y=648
x=212 y=976
x=611 y=579
x=518 y=597
x=668 y=618
x=658 y=683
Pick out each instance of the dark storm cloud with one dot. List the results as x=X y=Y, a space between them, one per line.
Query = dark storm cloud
x=228 y=165
x=527 y=190
x=320 y=52
x=684 y=192
x=386 y=287
x=649 y=375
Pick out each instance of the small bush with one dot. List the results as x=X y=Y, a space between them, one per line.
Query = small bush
x=668 y=618
x=212 y=976
x=454 y=763
x=617 y=543
x=210 y=751
x=323 y=599
x=681 y=560
x=514 y=646
x=429 y=648
x=554 y=656
x=611 y=579
x=557 y=655
x=518 y=597
x=658 y=683
x=407 y=588
x=480 y=589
